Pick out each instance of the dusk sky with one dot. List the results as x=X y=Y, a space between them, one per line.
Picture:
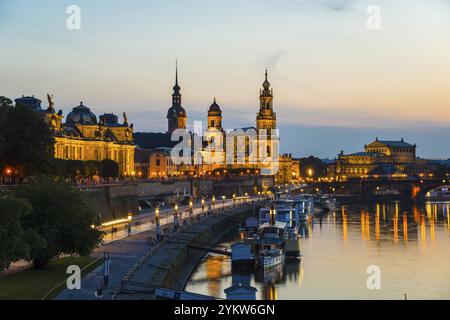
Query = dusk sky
x=337 y=84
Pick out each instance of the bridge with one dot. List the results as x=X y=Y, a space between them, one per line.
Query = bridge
x=367 y=189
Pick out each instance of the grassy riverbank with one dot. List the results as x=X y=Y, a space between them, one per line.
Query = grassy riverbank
x=33 y=284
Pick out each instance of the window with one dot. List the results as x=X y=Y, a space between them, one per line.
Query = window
x=213 y=123
x=158 y=162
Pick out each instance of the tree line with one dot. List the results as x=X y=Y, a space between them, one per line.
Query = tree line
x=44 y=217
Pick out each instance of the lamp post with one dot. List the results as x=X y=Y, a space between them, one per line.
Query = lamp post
x=191 y=208
x=9 y=173
x=106 y=269
x=234 y=200
x=203 y=205
x=213 y=202
x=130 y=220
x=223 y=201
x=158 y=227
x=175 y=217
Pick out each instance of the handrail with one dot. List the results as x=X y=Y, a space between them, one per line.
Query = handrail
x=54 y=288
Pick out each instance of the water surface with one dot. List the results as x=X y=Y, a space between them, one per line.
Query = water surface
x=410 y=245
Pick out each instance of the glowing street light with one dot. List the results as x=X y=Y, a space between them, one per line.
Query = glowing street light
x=203 y=205
x=223 y=201
x=191 y=206
x=175 y=218
x=130 y=220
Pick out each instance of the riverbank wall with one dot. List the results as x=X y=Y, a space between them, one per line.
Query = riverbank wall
x=113 y=202
x=175 y=260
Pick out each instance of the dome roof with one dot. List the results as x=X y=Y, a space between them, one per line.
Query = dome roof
x=109 y=119
x=176 y=111
x=215 y=108
x=81 y=115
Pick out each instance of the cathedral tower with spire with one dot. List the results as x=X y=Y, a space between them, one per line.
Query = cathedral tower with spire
x=176 y=116
x=266 y=118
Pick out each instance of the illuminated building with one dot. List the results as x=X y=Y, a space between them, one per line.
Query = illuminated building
x=214 y=153
x=381 y=159
x=288 y=169
x=82 y=137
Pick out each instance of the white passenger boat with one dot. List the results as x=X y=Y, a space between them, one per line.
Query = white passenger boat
x=305 y=207
x=269 y=247
x=287 y=218
x=271 y=258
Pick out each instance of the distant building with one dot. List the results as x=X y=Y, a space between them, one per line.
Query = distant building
x=161 y=164
x=84 y=137
x=288 y=169
x=380 y=159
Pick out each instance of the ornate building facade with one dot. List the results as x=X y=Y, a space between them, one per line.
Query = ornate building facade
x=381 y=158
x=84 y=137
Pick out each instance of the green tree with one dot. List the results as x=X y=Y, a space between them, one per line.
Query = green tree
x=26 y=142
x=61 y=216
x=13 y=240
x=110 y=169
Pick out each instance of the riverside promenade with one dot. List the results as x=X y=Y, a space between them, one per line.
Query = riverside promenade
x=127 y=255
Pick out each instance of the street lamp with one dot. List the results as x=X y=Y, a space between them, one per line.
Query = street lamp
x=158 y=227
x=223 y=201
x=203 y=205
x=191 y=206
x=234 y=200
x=130 y=220
x=175 y=218
x=213 y=202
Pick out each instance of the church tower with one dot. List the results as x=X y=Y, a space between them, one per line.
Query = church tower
x=266 y=118
x=176 y=116
x=215 y=116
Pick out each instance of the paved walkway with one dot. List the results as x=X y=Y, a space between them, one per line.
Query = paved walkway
x=124 y=253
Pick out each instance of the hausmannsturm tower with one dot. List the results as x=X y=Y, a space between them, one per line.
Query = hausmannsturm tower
x=266 y=118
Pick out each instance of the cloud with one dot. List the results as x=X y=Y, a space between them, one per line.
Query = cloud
x=330 y=5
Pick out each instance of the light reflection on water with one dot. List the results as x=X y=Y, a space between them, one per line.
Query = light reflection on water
x=411 y=245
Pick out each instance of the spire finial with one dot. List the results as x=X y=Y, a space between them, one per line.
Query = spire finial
x=176 y=72
x=266 y=73
x=214 y=99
